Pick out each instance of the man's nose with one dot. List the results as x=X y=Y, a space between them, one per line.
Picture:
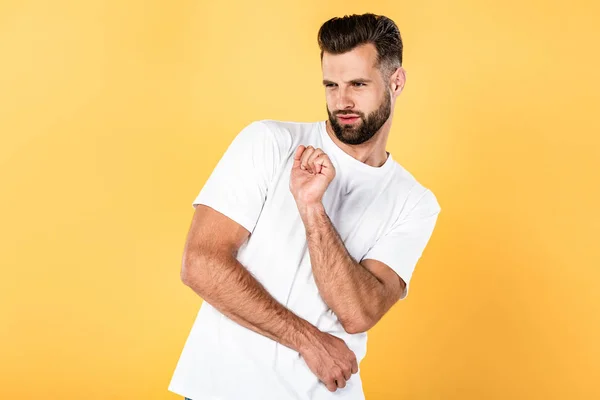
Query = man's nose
x=344 y=100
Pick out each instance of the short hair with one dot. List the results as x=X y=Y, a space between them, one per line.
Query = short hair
x=340 y=35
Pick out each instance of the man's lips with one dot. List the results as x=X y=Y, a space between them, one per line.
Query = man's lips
x=348 y=118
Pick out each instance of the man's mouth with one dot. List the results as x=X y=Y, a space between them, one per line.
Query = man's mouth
x=348 y=119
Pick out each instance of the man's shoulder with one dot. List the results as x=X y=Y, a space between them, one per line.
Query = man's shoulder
x=414 y=190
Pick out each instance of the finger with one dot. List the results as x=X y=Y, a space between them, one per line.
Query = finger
x=297 y=156
x=331 y=385
x=305 y=156
x=347 y=374
x=303 y=160
x=319 y=162
x=311 y=159
x=325 y=162
x=354 y=366
x=340 y=382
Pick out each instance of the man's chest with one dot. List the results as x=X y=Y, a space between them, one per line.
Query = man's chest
x=360 y=214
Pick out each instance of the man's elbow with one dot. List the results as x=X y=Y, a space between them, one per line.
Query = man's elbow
x=186 y=274
x=191 y=269
x=358 y=324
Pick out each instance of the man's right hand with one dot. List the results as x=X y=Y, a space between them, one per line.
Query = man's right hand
x=330 y=359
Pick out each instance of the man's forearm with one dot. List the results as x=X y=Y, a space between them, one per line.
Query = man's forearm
x=347 y=287
x=225 y=284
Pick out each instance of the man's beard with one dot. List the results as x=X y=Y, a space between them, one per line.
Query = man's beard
x=366 y=128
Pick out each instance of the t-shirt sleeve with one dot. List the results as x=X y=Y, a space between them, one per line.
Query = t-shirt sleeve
x=238 y=185
x=402 y=246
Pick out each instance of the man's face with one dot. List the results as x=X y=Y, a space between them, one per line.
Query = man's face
x=358 y=99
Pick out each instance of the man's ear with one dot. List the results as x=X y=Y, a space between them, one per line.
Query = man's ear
x=398 y=80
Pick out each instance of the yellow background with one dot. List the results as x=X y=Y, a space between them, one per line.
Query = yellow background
x=113 y=114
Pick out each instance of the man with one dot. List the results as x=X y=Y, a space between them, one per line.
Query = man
x=305 y=235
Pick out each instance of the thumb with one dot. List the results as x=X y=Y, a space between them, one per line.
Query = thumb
x=298 y=156
x=325 y=165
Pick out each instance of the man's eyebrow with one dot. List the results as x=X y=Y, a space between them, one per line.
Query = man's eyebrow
x=359 y=80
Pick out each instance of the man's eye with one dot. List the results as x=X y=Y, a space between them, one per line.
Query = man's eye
x=359 y=84
x=330 y=85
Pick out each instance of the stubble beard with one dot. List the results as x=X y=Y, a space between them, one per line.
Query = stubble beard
x=359 y=133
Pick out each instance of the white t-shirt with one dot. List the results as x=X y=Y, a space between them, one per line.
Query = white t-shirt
x=380 y=213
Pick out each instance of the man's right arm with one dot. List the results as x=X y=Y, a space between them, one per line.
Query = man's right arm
x=210 y=268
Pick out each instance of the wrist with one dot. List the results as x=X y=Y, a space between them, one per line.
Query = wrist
x=309 y=209
x=306 y=337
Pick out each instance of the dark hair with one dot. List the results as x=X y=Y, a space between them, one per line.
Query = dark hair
x=339 y=35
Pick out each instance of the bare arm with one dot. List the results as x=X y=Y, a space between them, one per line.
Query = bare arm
x=211 y=269
x=358 y=294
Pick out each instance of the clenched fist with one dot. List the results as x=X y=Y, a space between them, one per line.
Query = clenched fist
x=312 y=173
x=330 y=359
